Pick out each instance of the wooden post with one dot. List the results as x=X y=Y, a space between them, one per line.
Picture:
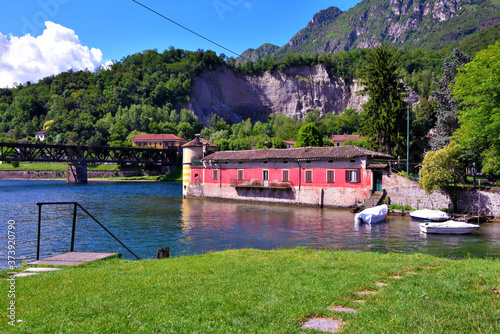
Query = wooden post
x=479 y=208
x=163 y=253
x=321 y=197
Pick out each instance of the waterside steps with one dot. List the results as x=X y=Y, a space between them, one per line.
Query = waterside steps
x=73 y=258
x=375 y=199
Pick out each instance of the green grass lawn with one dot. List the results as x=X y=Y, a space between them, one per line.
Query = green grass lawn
x=35 y=166
x=252 y=291
x=174 y=176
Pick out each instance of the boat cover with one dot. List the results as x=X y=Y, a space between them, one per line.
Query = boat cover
x=430 y=215
x=372 y=215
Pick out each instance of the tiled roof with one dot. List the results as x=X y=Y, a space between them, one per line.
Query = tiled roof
x=345 y=137
x=297 y=154
x=377 y=166
x=165 y=137
x=289 y=142
x=198 y=141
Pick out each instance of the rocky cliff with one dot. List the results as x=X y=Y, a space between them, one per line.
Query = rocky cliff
x=294 y=92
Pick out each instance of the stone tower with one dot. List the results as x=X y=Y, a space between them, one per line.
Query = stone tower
x=193 y=152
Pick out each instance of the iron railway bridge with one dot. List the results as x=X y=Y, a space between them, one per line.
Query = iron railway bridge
x=78 y=156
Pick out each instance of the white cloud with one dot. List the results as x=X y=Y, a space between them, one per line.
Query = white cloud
x=29 y=58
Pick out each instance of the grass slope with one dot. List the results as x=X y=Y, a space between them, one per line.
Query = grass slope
x=252 y=291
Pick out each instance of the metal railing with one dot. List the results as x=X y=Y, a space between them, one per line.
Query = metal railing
x=73 y=229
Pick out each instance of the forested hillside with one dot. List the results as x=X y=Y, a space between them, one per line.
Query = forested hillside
x=140 y=93
x=135 y=94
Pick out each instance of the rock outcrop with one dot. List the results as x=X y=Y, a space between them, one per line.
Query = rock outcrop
x=294 y=92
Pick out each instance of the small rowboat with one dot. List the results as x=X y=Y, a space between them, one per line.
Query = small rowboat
x=427 y=215
x=448 y=227
x=372 y=215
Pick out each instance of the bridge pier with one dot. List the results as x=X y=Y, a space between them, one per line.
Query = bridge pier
x=77 y=173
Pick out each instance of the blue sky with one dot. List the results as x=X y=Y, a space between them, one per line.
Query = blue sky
x=120 y=28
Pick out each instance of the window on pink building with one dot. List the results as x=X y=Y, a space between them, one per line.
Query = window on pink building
x=215 y=174
x=286 y=175
x=309 y=176
x=240 y=174
x=330 y=176
x=352 y=176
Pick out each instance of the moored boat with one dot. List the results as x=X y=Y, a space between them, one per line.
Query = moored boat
x=448 y=227
x=427 y=215
x=372 y=215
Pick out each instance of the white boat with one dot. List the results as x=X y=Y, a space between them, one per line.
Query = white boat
x=372 y=215
x=448 y=227
x=427 y=215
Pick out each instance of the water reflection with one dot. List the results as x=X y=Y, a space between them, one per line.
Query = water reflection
x=150 y=216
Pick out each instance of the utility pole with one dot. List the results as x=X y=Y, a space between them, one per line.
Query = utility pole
x=408 y=140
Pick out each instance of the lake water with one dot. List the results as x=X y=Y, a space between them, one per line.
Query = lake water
x=150 y=216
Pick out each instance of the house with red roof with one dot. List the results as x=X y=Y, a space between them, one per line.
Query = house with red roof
x=162 y=141
x=339 y=140
x=319 y=176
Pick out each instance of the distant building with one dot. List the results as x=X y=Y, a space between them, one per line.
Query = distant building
x=41 y=135
x=339 y=140
x=159 y=141
x=289 y=143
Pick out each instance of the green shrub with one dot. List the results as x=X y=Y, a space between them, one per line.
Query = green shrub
x=404 y=174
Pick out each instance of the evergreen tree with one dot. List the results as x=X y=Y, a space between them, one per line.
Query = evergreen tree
x=385 y=112
x=447 y=120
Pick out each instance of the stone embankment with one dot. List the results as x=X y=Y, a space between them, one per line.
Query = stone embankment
x=406 y=192
x=60 y=174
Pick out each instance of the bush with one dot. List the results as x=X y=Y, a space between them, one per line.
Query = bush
x=14 y=164
x=399 y=207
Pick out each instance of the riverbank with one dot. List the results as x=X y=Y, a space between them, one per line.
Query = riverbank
x=96 y=173
x=252 y=291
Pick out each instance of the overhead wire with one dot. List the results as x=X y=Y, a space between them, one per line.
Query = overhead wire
x=186 y=28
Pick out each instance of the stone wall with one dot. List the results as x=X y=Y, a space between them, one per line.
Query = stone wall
x=340 y=197
x=486 y=200
x=32 y=174
x=399 y=189
x=406 y=192
x=61 y=174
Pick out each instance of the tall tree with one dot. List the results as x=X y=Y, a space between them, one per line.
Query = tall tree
x=447 y=120
x=309 y=135
x=478 y=87
x=385 y=111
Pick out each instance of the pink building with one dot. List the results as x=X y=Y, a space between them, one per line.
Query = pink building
x=324 y=176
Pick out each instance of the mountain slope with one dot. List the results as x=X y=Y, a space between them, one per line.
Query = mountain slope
x=426 y=24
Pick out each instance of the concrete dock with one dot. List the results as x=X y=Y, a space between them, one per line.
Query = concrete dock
x=74 y=258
